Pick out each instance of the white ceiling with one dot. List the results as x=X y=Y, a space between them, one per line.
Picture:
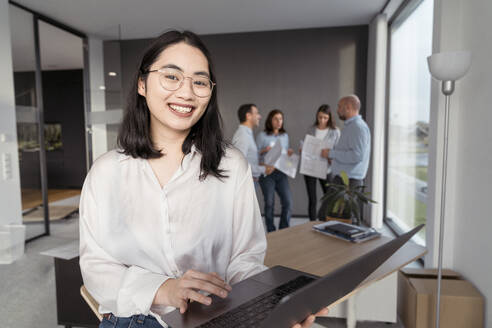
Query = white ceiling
x=148 y=18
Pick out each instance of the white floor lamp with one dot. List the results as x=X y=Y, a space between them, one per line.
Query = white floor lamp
x=446 y=67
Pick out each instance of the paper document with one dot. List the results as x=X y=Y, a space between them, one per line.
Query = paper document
x=288 y=164
x=277 y=158
x=312 y=163
x=273 y=154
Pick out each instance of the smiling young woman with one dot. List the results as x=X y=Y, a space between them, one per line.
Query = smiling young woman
x=173 y=211
x=149 y=104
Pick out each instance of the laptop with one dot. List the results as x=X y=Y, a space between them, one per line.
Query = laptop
x=281 y=297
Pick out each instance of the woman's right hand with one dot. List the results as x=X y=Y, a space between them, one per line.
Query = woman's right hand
x=177 y=292
x=265 y=150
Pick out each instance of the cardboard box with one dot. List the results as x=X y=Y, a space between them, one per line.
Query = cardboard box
x=462 y=305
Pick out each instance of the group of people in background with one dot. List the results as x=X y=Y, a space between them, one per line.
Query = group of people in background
x=350 y=153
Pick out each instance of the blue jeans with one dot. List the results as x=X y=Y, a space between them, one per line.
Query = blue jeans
x=135 y=321
x=277 y=181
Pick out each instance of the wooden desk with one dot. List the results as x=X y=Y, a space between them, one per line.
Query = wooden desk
x=301 y=248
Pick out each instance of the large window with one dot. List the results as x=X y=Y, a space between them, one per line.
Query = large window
x=408 y=117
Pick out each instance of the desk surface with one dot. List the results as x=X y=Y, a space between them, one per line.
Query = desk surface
x=302 y=248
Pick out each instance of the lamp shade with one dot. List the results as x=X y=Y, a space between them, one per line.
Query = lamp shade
x=449 y=66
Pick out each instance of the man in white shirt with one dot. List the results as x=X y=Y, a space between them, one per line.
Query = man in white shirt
x=243 y=139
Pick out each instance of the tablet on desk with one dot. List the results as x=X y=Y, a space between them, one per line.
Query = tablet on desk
x=348 y=232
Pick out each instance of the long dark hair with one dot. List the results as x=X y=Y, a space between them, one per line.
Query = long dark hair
x=134 y=136
x=268 y=122
x=326 y=109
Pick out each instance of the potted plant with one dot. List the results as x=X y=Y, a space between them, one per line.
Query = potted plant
x=343 y=202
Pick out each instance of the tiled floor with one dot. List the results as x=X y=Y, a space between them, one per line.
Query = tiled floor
x=27 y=287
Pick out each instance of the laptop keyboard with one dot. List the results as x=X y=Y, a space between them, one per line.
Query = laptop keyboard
x=251 y=313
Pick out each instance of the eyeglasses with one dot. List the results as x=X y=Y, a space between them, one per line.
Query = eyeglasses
x=172 y=79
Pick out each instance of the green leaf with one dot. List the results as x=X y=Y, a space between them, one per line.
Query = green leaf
x=345 y=178
x=338 y=204
x=329 y=206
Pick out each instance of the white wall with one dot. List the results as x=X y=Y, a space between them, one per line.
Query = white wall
x=10 y=201
x=446 y=37
x=461 y=25
x=375 y=114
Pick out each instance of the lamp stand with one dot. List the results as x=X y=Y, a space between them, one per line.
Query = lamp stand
x=447 y=90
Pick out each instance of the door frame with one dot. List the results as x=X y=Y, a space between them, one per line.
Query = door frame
x=39 y=103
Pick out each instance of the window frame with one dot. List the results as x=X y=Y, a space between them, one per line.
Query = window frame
x=405 y=10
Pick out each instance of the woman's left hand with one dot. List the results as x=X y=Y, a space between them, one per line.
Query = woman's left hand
x=290 y=151
x=310 y=320
x=325 y=153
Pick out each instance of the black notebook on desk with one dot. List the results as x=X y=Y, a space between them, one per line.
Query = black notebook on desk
x=348 y=232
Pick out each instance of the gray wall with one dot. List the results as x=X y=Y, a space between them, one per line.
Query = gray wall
x=295 y=71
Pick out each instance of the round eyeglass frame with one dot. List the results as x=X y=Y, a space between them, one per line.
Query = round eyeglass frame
x=160 y=70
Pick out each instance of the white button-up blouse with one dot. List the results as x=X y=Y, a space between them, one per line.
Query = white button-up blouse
x=134 y=235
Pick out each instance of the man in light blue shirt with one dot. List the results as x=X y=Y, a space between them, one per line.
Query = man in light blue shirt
x=243 y=139
x=351 y=153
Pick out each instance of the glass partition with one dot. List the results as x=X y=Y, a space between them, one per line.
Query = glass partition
x=28 y=121
x=49 y=80
x=62 y=69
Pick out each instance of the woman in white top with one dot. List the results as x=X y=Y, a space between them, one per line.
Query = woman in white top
x=173 y=212
x=324 y=128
